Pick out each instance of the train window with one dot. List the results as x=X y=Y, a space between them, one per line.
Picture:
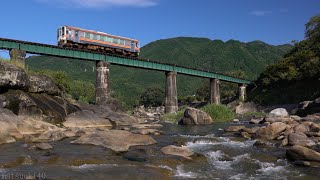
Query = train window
x=109 y=39
x=87 y=35
x=116 y=41
x=127 y=43
x=95 y=37
x=121 y=41
x=102 y=38
x=62 y=31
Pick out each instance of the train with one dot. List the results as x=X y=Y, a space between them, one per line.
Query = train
x=73 y=37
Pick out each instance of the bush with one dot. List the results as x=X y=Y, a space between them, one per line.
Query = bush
x=219 y=113
x=152 y=97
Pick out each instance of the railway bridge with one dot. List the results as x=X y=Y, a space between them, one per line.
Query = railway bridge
x=18 y=50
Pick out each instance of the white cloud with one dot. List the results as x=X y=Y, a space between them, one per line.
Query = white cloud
x=100 y=3
x=260 y=13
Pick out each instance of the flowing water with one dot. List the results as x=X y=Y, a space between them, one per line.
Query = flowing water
x=225 y=157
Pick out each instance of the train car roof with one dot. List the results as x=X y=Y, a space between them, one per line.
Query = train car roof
x=103 y=33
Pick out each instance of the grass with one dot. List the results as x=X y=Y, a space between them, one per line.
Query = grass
x=173 y=117
x=219 y=113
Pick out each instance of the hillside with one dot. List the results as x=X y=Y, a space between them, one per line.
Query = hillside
x=219 y=56
x=295 y=77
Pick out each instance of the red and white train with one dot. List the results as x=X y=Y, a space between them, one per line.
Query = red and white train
x=98 y=41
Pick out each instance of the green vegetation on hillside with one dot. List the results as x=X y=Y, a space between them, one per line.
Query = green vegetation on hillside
x=128 y=84
x=295 y=77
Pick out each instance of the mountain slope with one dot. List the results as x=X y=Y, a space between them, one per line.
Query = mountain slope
x=129 y=83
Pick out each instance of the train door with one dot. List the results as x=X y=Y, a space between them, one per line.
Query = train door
x=132 y=46
x=77 y=36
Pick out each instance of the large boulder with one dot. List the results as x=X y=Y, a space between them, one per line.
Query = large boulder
x=244 y=108
x=270 y=132
x=117 y=118
x=13 y=127
x=116 y=140
x=194 y=116
x=52 y=109
x=13 y=77
x=297 y=152
x=279 y=112
x=300 y=139
x=86 y=118
x=43 y=84
x=278 y=115
x=177 y=151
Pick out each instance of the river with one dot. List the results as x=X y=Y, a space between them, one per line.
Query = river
x=224 y=157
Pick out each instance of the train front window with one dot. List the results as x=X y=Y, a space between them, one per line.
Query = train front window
x=62 y=31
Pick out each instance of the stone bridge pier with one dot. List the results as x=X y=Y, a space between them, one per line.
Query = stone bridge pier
x=18 y=57
x=102 y=82
x=242 y=92
x=171 y=101
x=214 y=91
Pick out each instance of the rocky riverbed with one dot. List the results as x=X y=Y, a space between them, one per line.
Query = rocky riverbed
x=44 y=134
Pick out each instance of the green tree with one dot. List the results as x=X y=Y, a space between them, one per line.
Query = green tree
x=152 y=97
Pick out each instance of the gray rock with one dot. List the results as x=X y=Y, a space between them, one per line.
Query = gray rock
x=256 y=121
x=86 y=118
x=298 y=152
x=279 y=112
x=43 y=84
x=301 y=128
x=234 y=128
x=300 y=139
x=52 y=109
x=50 y=136
x=271 y=132
x=177 y=151
x=194 y=116
x=117 y=140
x=12 y=77
x=43 y=146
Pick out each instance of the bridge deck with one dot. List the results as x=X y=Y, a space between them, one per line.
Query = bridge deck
x=51 y=50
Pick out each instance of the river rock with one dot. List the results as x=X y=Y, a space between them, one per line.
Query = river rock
x=43 y=146
x=298 y=152
x=250 y=130
x=314 y=127
x=301 y=128
x=116 y=118
x=256 y=121
x=194 y=116
x=50 y=136
x=270 y=132
x=13 y=77
x=117 y=140
x=309 y=107
x=244 y=108
x=86 y=118
x=43 y=84
x=177 y=151
x=279 y=112
x=234 y=128
x=52 y=109
x=300 y=139
x=146 y=131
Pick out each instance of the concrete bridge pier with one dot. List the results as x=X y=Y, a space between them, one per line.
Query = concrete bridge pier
x=171 y=102
x=214 y=91
x=18 y=57
x=102 y=82
x=242 y=92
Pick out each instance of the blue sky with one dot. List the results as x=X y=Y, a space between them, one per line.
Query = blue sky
x=273 y=21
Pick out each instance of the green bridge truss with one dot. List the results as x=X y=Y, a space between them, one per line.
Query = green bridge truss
x=50 y=50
